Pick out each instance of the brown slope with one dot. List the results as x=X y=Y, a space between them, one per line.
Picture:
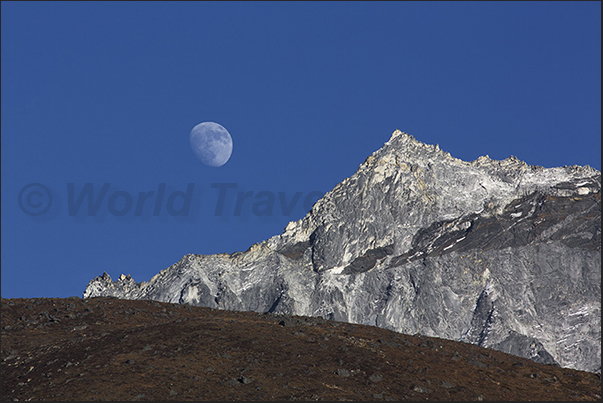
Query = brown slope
x=112 y=349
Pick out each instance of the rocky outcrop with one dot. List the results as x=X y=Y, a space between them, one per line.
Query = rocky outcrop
x=496 y=253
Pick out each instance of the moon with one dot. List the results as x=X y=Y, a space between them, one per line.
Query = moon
x=211 y=143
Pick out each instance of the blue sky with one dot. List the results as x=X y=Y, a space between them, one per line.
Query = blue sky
x=109 y=92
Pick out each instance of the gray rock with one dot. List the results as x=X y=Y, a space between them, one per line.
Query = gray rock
x=496 y=253
x=477 y=364
x=447 y=385
x=420 y=389
x=376 y=378
x=233 y=382
x=245 y=380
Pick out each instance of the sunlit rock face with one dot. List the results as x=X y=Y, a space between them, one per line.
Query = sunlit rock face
x=496 y=253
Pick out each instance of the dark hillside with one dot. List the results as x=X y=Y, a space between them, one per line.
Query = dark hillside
x=113 y=349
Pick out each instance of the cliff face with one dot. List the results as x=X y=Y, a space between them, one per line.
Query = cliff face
x=495 y=253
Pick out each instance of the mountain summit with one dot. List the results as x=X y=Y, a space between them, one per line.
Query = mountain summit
x=496 y=253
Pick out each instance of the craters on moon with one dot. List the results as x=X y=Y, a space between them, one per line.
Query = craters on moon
x=211 y=143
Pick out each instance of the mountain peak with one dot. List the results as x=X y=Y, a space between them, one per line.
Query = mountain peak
x=496 y=253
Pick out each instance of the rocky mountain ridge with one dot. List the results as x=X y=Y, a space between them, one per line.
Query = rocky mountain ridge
x=495 y=253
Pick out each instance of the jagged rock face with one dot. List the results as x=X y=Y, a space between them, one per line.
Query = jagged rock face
x=496 y=253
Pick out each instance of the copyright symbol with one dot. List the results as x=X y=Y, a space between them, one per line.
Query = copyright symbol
x=35 y=199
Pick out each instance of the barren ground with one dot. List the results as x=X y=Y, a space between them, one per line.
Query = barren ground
x=112 y=349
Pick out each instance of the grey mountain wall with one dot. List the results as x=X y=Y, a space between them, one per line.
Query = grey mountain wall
x=496 y=253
